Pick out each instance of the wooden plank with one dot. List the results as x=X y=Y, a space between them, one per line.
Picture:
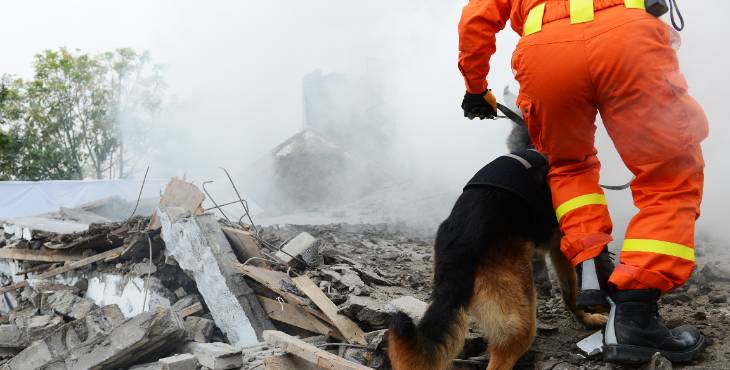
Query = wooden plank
x=294 y=315
x=179 y=193
x=244 y=246
x=287 y=362
x=189 y=310
x=310 y=353
x=273 y=281
x=38 y=255
x=352 y=332
x=105 y=256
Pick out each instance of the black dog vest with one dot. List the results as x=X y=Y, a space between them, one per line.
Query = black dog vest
x=522 y=173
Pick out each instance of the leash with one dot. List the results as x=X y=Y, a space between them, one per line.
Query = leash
x=516 y=118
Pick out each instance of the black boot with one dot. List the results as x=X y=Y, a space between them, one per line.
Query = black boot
x=635 y=331
x=593 y=277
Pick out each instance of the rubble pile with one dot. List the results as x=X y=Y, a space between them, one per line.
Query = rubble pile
x=181 y=289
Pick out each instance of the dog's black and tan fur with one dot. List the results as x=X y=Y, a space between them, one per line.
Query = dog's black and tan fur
x=483 y=268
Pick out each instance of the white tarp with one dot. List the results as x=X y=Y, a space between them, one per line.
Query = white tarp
x=29 y=198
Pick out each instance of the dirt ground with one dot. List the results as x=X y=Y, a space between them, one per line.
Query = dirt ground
x=404 y=256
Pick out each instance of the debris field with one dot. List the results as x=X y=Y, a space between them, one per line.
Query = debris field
x=182 y=289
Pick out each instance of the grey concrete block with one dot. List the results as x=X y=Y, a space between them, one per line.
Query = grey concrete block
x=199 y=329
x=185 y=361
x=217 y=356
x=303 y=244
x=70 y=305
x=102 y=341
x=411 y=306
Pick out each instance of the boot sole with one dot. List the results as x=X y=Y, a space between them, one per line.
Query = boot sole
x=628 y=354
x=592 y=301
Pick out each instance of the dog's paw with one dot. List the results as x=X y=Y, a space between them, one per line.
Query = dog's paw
x=591 y=320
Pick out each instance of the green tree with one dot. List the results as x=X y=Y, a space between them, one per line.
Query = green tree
x=73 y=118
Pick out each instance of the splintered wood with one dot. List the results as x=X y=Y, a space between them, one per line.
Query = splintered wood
x=347 y=327
x=179 y=193
x=106 y=256
x=309 y=353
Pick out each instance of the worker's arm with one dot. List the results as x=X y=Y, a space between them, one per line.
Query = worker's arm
x=480 y=21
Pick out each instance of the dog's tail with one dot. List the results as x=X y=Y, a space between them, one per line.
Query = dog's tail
x=431 y=344
x=439 y=336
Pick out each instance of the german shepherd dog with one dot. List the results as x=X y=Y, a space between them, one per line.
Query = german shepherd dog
x=483 y=268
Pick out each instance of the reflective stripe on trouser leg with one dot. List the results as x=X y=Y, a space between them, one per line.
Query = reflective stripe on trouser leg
x=579 y=205
x=659 y=248
x=578 y=202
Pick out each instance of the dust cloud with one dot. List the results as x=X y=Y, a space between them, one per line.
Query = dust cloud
x=235 y=70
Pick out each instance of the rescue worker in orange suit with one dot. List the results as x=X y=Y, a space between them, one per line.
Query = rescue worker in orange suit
x=577 y=58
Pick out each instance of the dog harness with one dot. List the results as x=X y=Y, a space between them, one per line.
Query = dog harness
x=521 y=173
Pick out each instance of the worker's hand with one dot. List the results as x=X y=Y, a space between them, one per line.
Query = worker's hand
x=480 y=106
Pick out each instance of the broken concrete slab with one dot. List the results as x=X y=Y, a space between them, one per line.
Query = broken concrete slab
x=54 y=348
x=199 y=329
x=366 y=311
x=343 y=276
x=411 y=306
x=185 y=361
x=70 y=305
x=216 y=356
x=149 y=332
x=304 y=246
x=27 y=227
x=11 y=336
x=202 y=250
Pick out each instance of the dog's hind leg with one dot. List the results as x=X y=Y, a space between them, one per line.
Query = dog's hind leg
x=569 y=287
x=504 y=306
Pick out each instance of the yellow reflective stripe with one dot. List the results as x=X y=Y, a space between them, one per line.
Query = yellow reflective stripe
x=577 y=202
x=658 y=246
x=533 y=23
x=581 y=11
x=635 y=4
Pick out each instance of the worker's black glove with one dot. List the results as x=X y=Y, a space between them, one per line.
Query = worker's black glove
x=482 y=105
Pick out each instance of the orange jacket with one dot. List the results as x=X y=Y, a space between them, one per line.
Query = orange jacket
x=482 y=19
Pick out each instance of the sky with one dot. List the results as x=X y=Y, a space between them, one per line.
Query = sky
x=234 y=71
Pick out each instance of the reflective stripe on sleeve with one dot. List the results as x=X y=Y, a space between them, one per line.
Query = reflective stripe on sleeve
x=533 y=23
x=635 y=4
x=577 y=202
x=660 y=247
x=581 y=11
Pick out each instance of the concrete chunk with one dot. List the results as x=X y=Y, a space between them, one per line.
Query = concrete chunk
x=110 y=345
x=54 y=348
x=303 y=245
x=148 y=332
x=413 y=307
x=217 y=356
x=70 y=305
x=185 y=361
x=202 y=250
x=199 y=329
x=10 y=336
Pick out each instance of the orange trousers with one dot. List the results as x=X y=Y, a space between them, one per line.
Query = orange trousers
x=622 y=65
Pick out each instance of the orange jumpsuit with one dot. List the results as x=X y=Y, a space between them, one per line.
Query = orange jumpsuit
x=573 y=62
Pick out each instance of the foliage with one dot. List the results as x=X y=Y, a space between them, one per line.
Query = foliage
x=68 y=121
